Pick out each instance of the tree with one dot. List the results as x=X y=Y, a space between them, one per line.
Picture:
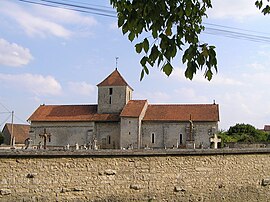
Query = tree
x=174 y=26
x=262 y=6
x=245 y=133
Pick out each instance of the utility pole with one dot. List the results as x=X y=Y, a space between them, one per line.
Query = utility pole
x=12 y=136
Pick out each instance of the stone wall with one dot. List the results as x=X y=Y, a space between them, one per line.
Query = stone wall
x=129 y=132
x=119 y=98
x=62 y=133
x=162 y=175
x=107 y=134
x=167 y=134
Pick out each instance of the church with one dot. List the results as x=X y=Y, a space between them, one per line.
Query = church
x=119 y=122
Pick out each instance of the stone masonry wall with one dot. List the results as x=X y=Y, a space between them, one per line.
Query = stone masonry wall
x=167 y=176
x=62 y=133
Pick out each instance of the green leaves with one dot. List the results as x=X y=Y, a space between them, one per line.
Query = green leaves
x=145 y=45
x=197 y=57
x=259 y=4
x=174 y=26
x=167 y=69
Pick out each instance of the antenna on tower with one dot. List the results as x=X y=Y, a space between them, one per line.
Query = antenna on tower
x=116 y=62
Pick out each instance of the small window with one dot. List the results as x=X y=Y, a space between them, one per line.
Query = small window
x=110 y=91
x=153 y=138
x=110 y=100
x=181 y=139
x=129 y=121
x=109 y=139
x=129 y=133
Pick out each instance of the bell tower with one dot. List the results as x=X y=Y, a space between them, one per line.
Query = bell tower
x=113 y=94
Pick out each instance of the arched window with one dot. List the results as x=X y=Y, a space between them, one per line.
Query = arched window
x=180 y=138
x=153 y=138
x=110 y=100
x=110 y=95
x=110 y=91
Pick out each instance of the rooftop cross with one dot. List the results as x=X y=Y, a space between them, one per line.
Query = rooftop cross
x=116 y=62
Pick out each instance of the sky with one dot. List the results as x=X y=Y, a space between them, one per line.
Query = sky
x=57 y=56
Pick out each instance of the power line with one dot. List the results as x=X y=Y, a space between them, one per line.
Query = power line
x=5 y=107
x=234 y=28
x=210 y=28
x=83 y=3
x=5 y=120
x=78 y=6
x=20 y=119
x=10 y=113
x=237 y=35
x=72 y=7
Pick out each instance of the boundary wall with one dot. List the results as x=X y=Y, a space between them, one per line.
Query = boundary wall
x=135 y=175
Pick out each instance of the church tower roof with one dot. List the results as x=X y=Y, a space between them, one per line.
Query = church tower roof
x=114 y=79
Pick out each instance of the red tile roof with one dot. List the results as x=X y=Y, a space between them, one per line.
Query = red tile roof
x=20 y=131
x=114 y=79
x=198 y=112
x=133 y=108
x=70 y=113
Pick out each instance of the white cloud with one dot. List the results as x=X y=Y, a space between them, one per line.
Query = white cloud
x=43 y=21
x=114 y=26
x=37 y=84
x=11 y=54
x=257 y=79
x=222 y=80
x=153 y=97
x=64 y=16
x=81 y=88
x=233 y=9
x=189 y=95
x=257 y=66
x=218 y=79
x=243 y=107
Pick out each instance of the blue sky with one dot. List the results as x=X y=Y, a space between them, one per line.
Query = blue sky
x=56 y=56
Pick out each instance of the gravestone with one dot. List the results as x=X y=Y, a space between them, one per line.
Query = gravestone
x=215 y=140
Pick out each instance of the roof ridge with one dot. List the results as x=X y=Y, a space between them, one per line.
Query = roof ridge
x=138 y=100
x=53 y=105
x=168 y=104
x=21 y=124
x=114 y=79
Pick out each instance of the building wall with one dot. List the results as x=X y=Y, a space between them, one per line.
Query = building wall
x=169 y=134
x=108 y=135
x=7 y=136
x=166 y=134
x=156 y=128
x=226 y=178
x=63 y=133
x=203 y=131
x=129 y=132
x=118 y=98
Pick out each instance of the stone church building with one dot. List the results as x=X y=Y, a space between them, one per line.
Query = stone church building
x=118 y=121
